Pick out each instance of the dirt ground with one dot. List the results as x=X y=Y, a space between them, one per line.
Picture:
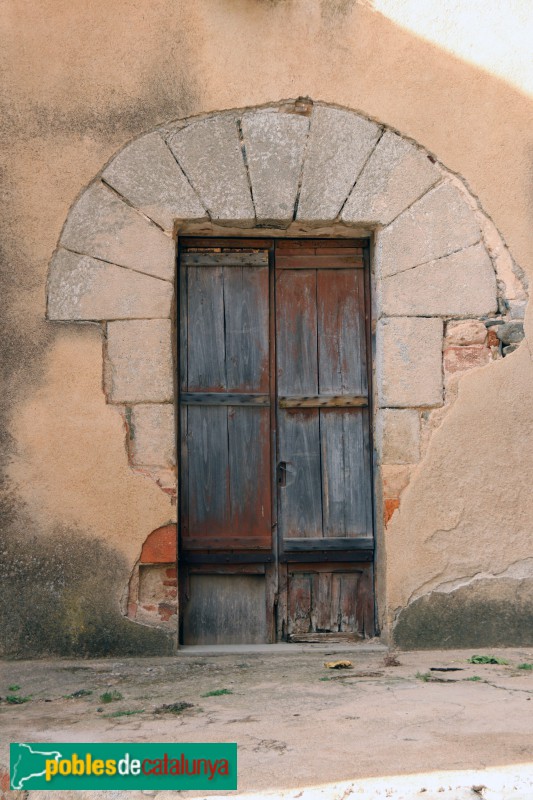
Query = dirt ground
x=297 y=724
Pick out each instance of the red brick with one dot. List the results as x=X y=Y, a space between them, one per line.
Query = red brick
x=391 y=504
x=166 y=611
x=160 y=546
x=492 y=338
x=458 y=359
x=171 y=572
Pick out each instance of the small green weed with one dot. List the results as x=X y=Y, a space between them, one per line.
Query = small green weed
x=474 y=678
x=79 y=693
x=16 y=700
x=525 y=665
x=325 y=678
x=123 y=714
x=110 y=697
x=217 y=692
x=486 y=660
x=423 y=676
x=14 y=688
x=173 y=708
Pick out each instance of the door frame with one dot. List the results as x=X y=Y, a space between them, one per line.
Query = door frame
x=275 y=563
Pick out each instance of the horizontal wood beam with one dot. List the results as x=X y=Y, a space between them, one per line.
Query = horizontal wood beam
x=223 y=399
x=337 y=543
x=324 y=401
x=311 y=261
x=225 y=259
x=326 y=556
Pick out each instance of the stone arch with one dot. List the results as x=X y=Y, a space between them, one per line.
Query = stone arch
x=448 y=296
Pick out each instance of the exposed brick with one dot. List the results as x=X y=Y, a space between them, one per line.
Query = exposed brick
x=492 y=338
x=457 y=359
x=160 y=546
x=390 y=506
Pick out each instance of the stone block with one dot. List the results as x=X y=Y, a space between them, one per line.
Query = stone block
x=209 y=152
x=152 y=435
x=396 y=174
x=399 y=436
x=465 y=331
x=339 y=144
x=101 y=225
x=511 y=332
x=410 y=362
x=457 y=285
x=83 y=288
x=138 y=365
x=147 y=175
x=458 y=359
x=274 y=144
x=438 y=224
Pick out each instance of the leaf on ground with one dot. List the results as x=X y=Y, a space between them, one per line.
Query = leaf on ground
x=338 y=664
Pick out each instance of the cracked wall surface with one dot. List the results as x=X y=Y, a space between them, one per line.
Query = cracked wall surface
x=79 y=87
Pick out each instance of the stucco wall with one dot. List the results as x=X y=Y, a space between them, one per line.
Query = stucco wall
x=84 y=79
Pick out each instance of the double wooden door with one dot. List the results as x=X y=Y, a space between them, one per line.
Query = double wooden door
x=275 y=496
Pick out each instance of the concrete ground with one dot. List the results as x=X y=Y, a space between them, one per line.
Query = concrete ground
x=377 y=730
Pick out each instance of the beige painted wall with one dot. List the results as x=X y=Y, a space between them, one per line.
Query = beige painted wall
x=81 y=80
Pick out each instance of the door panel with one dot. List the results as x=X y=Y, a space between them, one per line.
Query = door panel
x=224 y=401
x=322 y=388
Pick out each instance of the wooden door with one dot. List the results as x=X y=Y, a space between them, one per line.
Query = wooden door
x=275 y=481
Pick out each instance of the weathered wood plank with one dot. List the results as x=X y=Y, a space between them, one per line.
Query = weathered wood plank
x=206 y=342
x=311 y=261
x=342 y=366
x=296 y=341
x=223 y=399
x=300 y=504
x=246 y=329
x=249 y=472
x=209 y=512
x=324 y=401
x=320 y=544
x=345 y=473
x=225 y=609
x=306 y=244
x=300 y=604
x=231 y=259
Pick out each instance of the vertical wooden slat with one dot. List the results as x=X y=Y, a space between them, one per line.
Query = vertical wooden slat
x=246 y=328
x=209 y=512
x=301 y=496
x=346 y=473
x=249 y=471
x=206 y=340
x=296 y=338
x=342 y=367
x=300 y=603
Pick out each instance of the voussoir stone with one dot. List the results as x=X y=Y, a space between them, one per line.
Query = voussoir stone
x=457 y=285
x=101 y=225
x=146 y=173
x=152 y=441
x=400 y=435
x=138 y=365
x=83 y=288
x=274 y=142
x=437 y=225
x=409 y=357
x=339 y=144
x=396 y=174
x=209 y=152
